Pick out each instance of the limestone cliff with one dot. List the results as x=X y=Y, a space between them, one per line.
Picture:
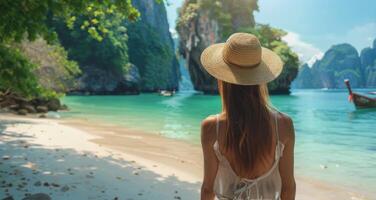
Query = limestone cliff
x=137 y=57
x=340 y=62
x=196 y=31
x=151 y=48
x=204 y=22
x=368 y=65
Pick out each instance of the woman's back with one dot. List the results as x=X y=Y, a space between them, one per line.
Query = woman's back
x=232 y=182
x=263 y=164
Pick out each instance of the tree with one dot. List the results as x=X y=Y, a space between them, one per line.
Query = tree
x=110 y=53
x=16 y=73
x=20 y=20
x=30 y=18
x=54 y=71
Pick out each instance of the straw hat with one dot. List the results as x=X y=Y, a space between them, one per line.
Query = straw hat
x=242 y=60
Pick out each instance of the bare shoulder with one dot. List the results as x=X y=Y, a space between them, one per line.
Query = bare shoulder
x=285 y=127
x=208 y=129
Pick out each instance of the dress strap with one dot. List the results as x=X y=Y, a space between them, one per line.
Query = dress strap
x=217 y=125
x=216 y=145
x=279 y=145
x=276 y=126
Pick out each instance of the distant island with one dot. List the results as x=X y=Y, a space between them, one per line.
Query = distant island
x=340 y=62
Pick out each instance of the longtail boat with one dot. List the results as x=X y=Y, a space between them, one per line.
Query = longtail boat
x=360 y=101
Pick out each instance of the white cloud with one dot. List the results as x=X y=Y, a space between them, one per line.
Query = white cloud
x=314 y=58
x=307 y=52
x=359 y=36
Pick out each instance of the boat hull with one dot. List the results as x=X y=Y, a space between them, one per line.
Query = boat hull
x=361 y=101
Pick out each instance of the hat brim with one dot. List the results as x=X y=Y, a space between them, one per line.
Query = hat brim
x=269 y=68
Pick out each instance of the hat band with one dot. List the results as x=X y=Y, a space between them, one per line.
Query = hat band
x=240 y=66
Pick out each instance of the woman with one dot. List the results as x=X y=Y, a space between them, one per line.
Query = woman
x=249 y=147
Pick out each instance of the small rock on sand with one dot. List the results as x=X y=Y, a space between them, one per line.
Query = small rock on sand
x=29 y=108
x=6 y=157
x=55 y=184
x=38 y=183
x=89 y=176
x=38 y=196
x=8 y=198
x=65 y=188
x=22 y=112
x=42 y=109
x=42 y=116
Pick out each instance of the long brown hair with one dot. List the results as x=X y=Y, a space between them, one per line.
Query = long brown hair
x=249 y=132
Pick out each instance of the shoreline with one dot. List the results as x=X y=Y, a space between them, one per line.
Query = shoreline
x=127 y=151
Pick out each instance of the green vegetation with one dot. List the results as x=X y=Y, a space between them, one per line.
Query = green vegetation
x=33 y=21
x=151 y=55
x=21 y=62
x=187 y=14
x=230 y=14
x=354 y=73
x=271 y=38
x=17 y=74
x=110 y=53
x=54 y=71
x=89 y=20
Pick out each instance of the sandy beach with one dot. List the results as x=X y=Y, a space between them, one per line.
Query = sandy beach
x=75 y=159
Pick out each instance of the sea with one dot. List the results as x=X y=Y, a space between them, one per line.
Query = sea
x=335 y=142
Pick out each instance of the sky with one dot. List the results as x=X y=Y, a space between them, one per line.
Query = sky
x=313 y=26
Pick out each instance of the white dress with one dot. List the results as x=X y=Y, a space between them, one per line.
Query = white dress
x=229 y=186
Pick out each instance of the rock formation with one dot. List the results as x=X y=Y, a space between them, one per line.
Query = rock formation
x=202 y=23
x=368 y=60
x=138 y=57
x=54 y=70
x=199 y=32
x=151 y=48
x=340 y=62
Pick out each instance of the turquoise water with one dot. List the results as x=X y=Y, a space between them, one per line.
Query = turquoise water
x=334 y=141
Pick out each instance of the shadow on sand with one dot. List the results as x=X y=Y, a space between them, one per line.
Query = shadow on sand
x=67 y=174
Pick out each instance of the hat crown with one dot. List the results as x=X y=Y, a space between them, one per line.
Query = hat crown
x=243 y=50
